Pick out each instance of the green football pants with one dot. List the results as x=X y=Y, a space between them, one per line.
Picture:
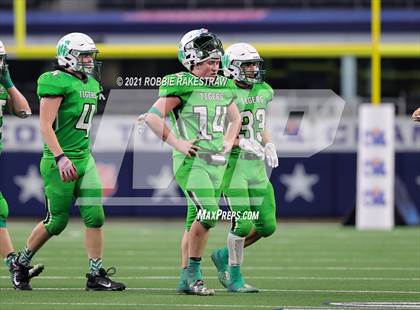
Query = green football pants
x=59 y=196
x=247 y=190
x=201 y=183
x=4 y=211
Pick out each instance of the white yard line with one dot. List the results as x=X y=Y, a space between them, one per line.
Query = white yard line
x=83 y=304
x=248 y=277
x=263 y=290
x=269 y=268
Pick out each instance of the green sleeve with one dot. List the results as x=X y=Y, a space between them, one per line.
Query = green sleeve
x=171 y=86
x=52 y=84
x=269 y=92
x=3 y=93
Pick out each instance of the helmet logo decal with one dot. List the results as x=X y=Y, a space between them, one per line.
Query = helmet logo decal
x=63 y=48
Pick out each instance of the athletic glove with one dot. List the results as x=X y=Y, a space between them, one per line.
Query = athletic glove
x=271 y=155
x=141 y=123
x=252 y=146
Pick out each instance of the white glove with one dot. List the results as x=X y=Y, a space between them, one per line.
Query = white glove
x=251 y=146
x=141 y=123
x=68 y=171
x=271 y=155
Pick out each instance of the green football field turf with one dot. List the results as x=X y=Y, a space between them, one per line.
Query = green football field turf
x=303 y=265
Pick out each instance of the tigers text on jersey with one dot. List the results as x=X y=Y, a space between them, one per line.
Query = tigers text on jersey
x=252 y=104
x=74 y=118
x=3 y=100
x=203 y=108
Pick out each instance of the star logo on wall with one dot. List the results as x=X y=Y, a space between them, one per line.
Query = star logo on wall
x=299 y=184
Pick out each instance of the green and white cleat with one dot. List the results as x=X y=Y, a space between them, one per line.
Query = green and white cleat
x=242 y=288
x=237 y=284
x=221 y=263
x=198 y=288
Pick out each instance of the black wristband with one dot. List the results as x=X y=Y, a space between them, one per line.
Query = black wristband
x=57 y=158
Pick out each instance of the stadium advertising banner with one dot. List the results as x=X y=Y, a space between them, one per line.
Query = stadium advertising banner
x=138 y=180
x=375 y=167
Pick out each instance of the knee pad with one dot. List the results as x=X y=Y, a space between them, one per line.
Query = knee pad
x=208 y=216
x=206 y=207
x=95 y=217
x=55 y=224
x=208 y=223
x=267 y=229
x=4 y=211
x=241 y=228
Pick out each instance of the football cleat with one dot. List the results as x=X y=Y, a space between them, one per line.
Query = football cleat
x=35 y=270
x=102 y=282
x=222 y=267
x=242 y=288
x=237 y=283
x=20 y=276
x=198 y=288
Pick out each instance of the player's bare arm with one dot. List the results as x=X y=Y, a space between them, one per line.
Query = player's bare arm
x=47 y=114
x=233 y=128
x=17 y=103
x=156 y=122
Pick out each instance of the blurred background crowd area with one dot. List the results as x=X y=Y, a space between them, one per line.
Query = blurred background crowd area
x=305 y=23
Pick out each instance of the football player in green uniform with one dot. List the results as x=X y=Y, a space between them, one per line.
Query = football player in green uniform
x=197 y=103
x=246 y=186
x=68 y=101
x=11 y=99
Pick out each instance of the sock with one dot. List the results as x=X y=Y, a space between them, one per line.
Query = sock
x=235 y=246
x=235 y=275
x=10 y=258
x=194 y=269
x=25 y=257
x=94 y=265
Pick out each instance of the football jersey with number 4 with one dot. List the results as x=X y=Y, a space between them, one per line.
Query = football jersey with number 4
x=252 y=104
x=74 y=118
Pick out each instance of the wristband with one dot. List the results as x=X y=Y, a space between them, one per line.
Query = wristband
x=57 y=158
x=155 y=111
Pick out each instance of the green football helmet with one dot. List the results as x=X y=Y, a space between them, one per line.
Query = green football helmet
x=197 y=46
x=239 y=55
x=70 y=50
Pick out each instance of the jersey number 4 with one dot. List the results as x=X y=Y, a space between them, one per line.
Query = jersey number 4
x=85 y=119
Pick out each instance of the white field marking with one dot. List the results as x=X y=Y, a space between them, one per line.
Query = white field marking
x=269 y=268
x=263 y=290
x=377 y=305
x=85 y=304
x=248 y=277
x=156 y=258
